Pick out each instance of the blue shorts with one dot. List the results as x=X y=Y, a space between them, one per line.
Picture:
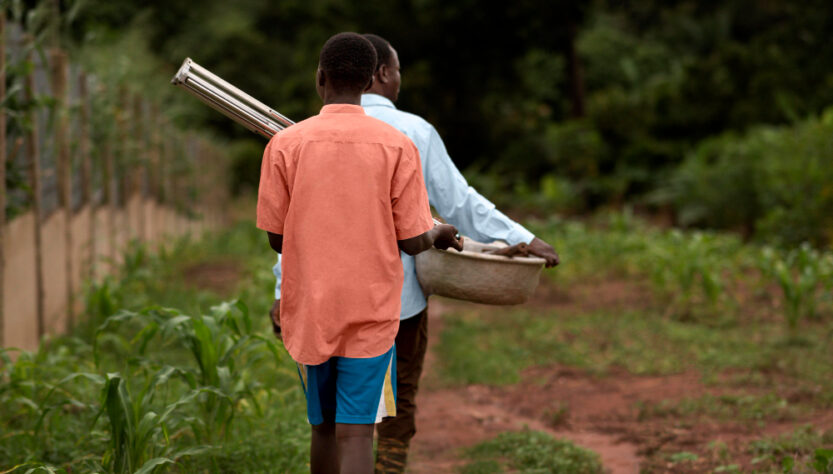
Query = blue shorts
x=350 y=390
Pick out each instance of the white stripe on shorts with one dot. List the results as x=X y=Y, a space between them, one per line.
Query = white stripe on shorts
x=387 y=402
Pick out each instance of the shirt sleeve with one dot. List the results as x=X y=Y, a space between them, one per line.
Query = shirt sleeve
x=409 y=199
x=273 y=192
x=460 y=204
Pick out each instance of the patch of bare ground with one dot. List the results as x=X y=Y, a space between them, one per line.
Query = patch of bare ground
x=449 y=419
x=592 y=296
x=218 y=276
x=601 y=413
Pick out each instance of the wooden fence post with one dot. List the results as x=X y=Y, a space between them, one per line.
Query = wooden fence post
x=123 y=157
x=107 y=188
x=110 y=201
x=154 y=172
x=33 y=153
x=137 y=170
x=168 y=152
x=2 y=175
x=86 y=170
x=58 y=79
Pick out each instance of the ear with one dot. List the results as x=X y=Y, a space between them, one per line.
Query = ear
x=383 y=73
x=370 y=83
x=320 y=79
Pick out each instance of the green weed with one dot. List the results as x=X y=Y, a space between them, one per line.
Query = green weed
x=683 y=457
x=769 y=407
x=804 y=448
x=531 y=451
x=493 y=345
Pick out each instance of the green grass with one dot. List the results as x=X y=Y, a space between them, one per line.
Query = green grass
x=695 y=275
x=530 y=451
x=807 y=449
x=493 y=345
x=767 y=407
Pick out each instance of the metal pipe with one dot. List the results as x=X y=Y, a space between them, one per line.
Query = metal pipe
x=229 y=100
x=232 y=108
x=208 y=75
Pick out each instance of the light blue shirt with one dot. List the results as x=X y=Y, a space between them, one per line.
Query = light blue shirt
x=448 y=192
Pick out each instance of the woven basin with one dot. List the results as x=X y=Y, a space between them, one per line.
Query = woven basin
x=473 y=275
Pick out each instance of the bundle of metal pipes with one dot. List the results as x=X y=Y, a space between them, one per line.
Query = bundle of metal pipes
x=229 y=100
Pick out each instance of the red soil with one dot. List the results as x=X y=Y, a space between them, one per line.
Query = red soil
x=599 y=413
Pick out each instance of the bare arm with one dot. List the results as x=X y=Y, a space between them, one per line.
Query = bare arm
x=276 y=241
x=441 y=236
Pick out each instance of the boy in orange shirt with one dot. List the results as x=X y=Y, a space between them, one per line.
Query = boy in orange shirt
x=340 y=194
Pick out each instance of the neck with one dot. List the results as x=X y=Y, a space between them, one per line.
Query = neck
x=332 y=97
x=376 y=89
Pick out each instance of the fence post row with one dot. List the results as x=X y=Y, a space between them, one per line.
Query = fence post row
x=145 y=166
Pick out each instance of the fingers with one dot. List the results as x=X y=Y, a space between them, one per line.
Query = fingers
x=550 y=257
x=539 y=248
x=552 y=260
x=520 y=249
x=450 y=238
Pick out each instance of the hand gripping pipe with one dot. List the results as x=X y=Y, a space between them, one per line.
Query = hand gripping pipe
x=229 y=100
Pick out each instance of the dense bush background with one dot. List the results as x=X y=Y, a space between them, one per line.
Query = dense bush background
x=568 y=105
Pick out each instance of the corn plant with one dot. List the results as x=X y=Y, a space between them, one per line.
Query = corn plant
x=798 y=273
x=221 y=344
x=225 y=349
x=684 y=267
x=140 y=438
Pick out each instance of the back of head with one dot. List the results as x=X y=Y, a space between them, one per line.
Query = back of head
x=382 y=47
x=348 y=61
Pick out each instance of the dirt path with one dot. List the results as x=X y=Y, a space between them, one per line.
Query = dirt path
x=219 y=276
x=450 y=419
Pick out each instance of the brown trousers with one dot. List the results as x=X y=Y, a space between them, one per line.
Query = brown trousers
x=394 y=434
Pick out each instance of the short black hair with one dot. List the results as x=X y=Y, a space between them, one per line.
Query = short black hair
x=348 y=61
x=382 y=47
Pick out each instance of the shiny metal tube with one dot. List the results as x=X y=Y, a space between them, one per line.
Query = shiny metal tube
x=229 y=100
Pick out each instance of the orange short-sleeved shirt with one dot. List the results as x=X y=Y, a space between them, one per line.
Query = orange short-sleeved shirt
x=341 y=187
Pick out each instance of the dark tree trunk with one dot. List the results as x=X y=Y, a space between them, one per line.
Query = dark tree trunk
x=574 y=73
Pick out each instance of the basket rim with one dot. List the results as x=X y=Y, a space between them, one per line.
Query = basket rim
x=532 y=261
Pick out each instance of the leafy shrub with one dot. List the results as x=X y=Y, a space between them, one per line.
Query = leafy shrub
x=773 y=182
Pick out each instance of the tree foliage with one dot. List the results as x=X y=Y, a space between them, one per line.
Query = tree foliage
x=610 y=96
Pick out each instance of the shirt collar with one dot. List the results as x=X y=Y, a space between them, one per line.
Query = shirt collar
x=342 y=109
x=370 y=100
